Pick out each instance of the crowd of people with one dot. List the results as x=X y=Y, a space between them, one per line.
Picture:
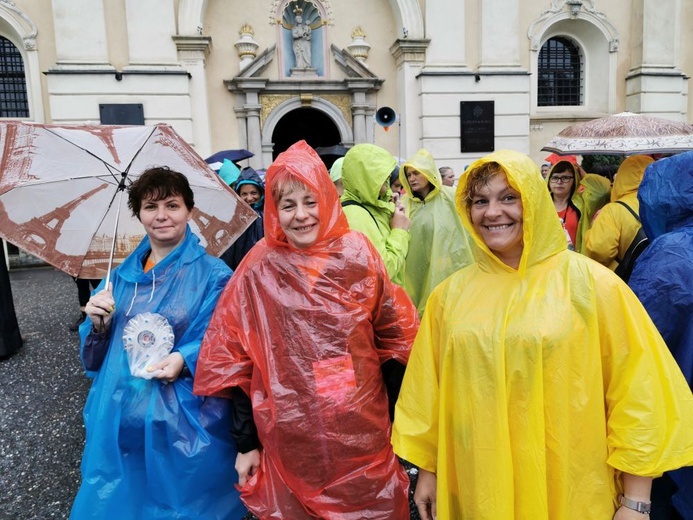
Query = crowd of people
x=383 y=313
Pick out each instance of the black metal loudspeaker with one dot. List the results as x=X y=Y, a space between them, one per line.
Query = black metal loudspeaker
x=385 y=117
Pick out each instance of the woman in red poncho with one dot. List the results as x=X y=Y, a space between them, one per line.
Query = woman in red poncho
x=311 y=329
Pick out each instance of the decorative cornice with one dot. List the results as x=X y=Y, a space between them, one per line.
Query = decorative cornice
x=351 y=66
x=22 y=23
x=193 y=43
x=410 y=51
x=571 y=9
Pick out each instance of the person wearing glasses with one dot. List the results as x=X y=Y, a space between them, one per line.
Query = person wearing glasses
x=577 y=196
x=538 y=387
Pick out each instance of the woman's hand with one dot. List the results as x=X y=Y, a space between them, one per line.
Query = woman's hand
x=399 y=218
x=100 y=309
x=425 y=495
x=168 y=368
x=623 y=513
x=247 y=465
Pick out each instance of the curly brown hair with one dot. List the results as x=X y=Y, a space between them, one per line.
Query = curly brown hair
x=159 y=183
x=478 y=178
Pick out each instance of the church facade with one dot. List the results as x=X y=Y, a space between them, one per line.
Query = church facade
x=457 y=77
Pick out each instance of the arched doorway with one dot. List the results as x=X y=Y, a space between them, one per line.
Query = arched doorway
x=310 y=124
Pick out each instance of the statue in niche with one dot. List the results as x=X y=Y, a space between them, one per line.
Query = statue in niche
x=300 y=33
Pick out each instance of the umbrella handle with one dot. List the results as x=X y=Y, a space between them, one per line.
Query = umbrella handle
x=115 y=237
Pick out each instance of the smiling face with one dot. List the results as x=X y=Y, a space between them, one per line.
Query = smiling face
x=299 y=217
x=249 y=193
x=418 y=182
x=496 y=213
x=165 y=221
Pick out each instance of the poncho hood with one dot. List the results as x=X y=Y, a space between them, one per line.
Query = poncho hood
x=424 y=163
x=666 y=195
x=543 y=235
x=186 y=252
x=249 y=176
x=305 y=165
x=629 y=176
x=365 y=169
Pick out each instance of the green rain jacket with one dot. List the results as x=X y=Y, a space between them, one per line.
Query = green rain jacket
x=592 y=192
x=439 y=243
x=528 y=402
x=365 y=169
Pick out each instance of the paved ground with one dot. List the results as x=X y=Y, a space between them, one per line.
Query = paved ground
x=42 y=392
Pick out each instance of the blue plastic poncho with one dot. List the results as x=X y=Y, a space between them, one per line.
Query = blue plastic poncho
x=529 y=389
x=155 y=450
x=663 y=274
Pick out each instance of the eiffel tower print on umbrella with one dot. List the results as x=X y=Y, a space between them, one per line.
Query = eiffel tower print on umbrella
x=61 y=192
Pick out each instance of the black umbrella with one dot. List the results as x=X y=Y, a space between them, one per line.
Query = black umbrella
x=337 y=150
x=215 y=161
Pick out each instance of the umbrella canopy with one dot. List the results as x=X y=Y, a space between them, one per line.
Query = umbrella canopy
x=337 y=150
x=217 y=160
x=623 y=134
x=61 y=192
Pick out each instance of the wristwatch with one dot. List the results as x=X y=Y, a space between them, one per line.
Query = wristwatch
x=640 y=507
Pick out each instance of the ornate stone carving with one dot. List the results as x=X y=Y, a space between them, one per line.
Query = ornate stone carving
x=275 y=17
x=359 y=47
x=269 y=102
x=342 y=102
x=560 y=9
x=246 y=46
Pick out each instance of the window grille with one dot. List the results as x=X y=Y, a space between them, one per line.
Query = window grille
x=13 y=95
x=560 y=81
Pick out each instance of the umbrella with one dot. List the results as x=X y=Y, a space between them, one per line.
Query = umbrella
x=329 y=154
x=337 y=150
x=623 y=134
x=215 y=161
x=61 y=192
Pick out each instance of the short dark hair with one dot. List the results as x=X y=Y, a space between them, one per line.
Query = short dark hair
x=159 y=183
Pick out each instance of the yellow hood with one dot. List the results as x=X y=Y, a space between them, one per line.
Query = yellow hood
x=543 y=235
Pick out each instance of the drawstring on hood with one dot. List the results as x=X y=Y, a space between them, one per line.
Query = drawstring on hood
x=151 y=294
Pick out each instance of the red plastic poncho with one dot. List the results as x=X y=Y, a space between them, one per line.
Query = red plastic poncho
x=304 y=333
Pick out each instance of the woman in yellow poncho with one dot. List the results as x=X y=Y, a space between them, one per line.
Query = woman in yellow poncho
x=538 y=387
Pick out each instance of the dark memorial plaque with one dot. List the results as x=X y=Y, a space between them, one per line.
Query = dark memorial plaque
x=476 y=124
x=122 y=114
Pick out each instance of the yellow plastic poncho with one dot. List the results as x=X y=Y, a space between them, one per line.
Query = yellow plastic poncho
x=589 y=195
x=614 y=227
x=439 y=243
x=528 y=390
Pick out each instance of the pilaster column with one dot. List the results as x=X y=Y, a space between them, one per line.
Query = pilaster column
x=360 y=108
x=192 y=54
x=447 y=49
x=71 y=32
x=500 y=35
x=150 y=26
x=655 y=84
x=410 y=56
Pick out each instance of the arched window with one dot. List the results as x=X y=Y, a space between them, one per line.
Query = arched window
x=13 y=95
x=560 y=71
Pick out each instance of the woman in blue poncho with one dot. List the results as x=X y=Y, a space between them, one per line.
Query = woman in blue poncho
x=663 y=280
x=153 y=449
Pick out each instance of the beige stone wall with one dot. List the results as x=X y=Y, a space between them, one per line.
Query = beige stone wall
x=223 y=19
